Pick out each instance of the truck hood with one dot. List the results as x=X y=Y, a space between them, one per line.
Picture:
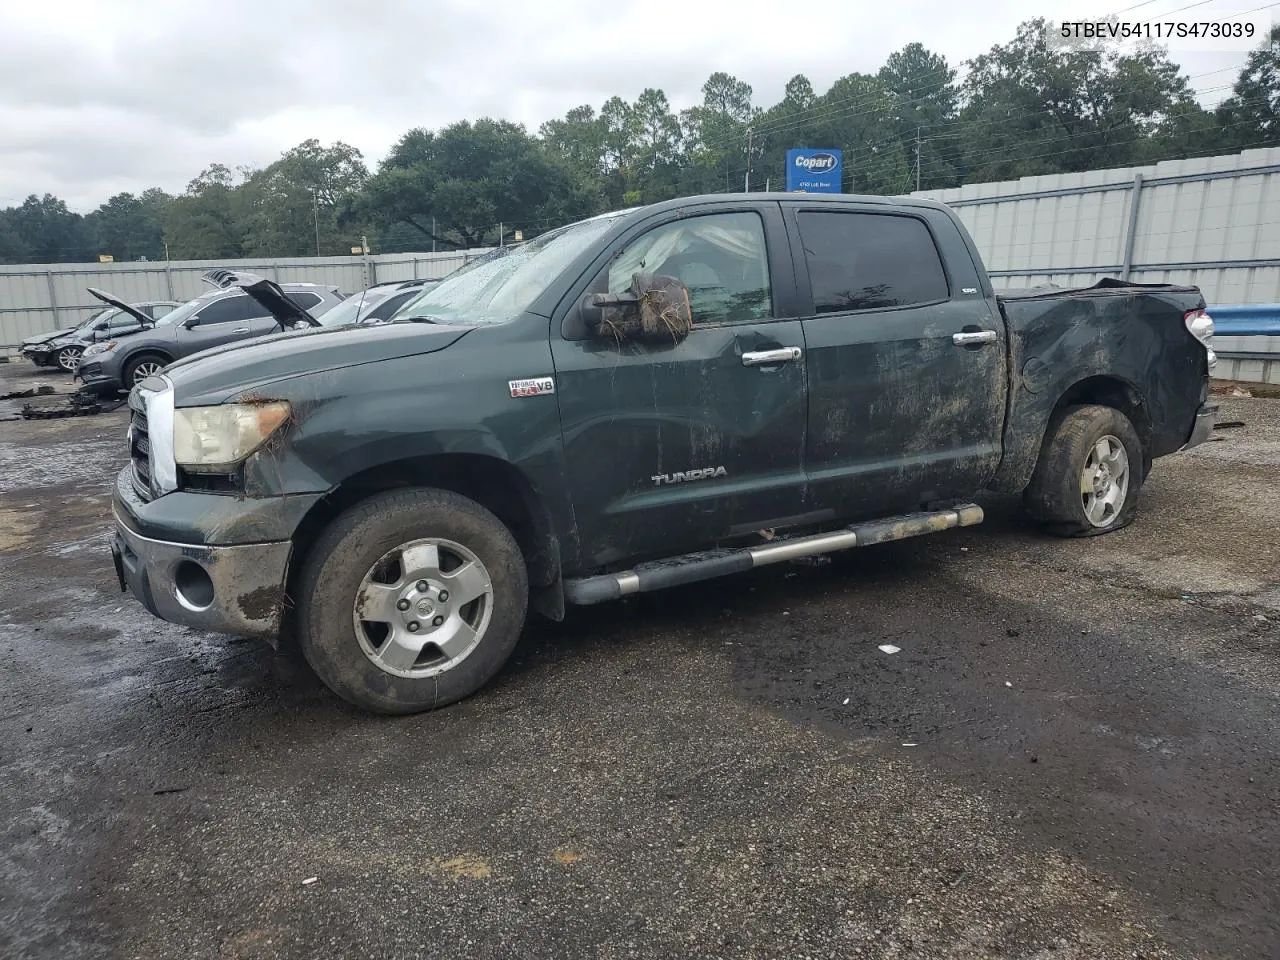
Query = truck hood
x=215 y=375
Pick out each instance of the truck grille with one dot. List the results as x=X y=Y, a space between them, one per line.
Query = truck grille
x=139 y=448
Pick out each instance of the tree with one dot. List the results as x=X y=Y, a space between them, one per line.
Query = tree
x=923 y=101
x=1033 y=109
x=579 y=141
x=132 y=228
x=1250 y=117
x=290 y=208
x=656 y=148
x=455 y=186
x=48 y=232
x=204 y=223
x=13 y=249
x=715 y=134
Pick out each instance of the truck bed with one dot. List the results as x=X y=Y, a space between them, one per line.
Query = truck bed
x=1113 y=332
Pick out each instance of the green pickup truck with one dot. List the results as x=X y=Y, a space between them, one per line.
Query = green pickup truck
x=643 y=399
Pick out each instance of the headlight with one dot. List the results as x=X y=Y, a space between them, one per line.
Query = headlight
x=96 y=348
x=213 y=438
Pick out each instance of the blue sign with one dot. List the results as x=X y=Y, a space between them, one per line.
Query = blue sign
x=814 y=171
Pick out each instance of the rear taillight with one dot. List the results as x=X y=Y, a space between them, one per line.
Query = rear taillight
x=1200 y=325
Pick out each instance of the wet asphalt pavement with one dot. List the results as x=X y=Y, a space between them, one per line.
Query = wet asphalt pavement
x=1074 y=754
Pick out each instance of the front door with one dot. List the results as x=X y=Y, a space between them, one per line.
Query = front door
x=906 y=359
x=225 y=320
x=673 y=447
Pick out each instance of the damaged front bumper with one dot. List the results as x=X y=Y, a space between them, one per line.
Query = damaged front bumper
x=229 y=588
x=1206 y=418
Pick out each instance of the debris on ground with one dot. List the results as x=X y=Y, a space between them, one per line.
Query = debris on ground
x=309 y=881
x=1228 y=425
x=76 y=405
x=41 y=390
x=888 y=648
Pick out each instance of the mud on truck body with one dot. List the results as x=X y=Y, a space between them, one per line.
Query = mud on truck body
x=625 y=404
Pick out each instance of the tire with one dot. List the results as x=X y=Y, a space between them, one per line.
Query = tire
x=68 y=358
x=130 y=375
x=368 y=660
x=1072 y=460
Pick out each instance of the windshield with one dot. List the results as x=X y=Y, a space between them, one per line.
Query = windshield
x=105 y=314
x=501 y=285
x=352 y=309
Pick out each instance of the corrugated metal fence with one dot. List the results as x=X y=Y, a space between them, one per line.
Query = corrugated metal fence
x=40 y=297
x=1210 y=221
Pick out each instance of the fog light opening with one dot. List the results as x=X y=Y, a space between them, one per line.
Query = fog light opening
x=192 y=586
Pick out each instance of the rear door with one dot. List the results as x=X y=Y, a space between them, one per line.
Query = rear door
x=905 y=356
x=671 y=447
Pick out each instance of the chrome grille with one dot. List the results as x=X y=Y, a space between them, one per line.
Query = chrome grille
x=139 y=448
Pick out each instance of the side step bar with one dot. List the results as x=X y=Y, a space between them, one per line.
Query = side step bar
x=692 y=567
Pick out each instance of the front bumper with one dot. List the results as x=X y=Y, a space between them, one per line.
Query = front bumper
x=236 y=589
x=1206 y=417
x=98 y=381
x=38 y=355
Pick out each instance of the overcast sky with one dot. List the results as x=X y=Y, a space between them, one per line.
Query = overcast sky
x=97 y=98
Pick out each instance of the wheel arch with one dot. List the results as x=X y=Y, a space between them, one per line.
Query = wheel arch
x=1031 y=426
x=494 y=483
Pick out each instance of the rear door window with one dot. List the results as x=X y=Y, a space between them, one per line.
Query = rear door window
x=306 y=299
x=869 y=261
x=231 y=310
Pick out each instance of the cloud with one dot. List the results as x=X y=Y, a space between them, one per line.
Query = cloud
x=97 y=98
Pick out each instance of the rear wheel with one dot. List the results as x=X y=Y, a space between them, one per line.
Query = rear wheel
x=411 y=600
x=69 y=357
x=142 y=366
x=1090 y=473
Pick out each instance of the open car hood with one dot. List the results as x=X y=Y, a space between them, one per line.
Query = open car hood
x=287 y=313
x=119 y=304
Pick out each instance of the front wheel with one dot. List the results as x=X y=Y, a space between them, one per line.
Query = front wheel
x=411 y=600
x=1090 y=472
x=69 y=358
x=142 y=366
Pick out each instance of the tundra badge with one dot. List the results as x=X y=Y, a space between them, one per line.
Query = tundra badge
x=532 y=387
x=685 y=475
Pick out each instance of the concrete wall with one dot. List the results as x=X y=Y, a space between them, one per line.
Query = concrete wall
x=39 y=297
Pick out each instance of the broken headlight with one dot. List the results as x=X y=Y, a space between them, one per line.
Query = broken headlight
x=211 y=439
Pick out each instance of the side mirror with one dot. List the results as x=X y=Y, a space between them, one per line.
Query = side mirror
x=102 y=326
x=191 y=322
x=656 y=309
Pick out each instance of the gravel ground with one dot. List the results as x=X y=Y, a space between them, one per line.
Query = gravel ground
x=1074 y=755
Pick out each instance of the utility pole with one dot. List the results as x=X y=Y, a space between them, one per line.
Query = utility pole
x=917 y=159
x=433 y=234
x=315 y=212
x=746 y=180
x=500 y=231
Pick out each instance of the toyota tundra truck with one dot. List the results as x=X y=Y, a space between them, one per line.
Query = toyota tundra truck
x=646 y=398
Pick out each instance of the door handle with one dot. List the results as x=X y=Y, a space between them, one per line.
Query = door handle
x=240 y=330
x=974 y=338
x=761 y=357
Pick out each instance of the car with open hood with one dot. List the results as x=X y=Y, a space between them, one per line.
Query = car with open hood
x=241 y=306
x=62 y=348
x=118 y=319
